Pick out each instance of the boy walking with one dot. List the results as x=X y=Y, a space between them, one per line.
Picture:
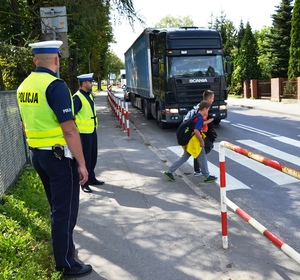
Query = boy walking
x=195 y=147
x=208 y=95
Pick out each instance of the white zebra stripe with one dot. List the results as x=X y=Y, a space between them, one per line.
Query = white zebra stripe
x=271 y=151
x=287 y=140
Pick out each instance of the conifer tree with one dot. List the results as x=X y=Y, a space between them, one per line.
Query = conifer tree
x=247 y=58
x=279 y=40
x=294 y=62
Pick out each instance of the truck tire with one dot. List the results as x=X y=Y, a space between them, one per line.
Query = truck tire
x=146 y=109
x=132 y=100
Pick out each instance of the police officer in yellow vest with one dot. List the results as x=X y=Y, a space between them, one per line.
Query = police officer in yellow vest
x=46 y=109
x=87 y=123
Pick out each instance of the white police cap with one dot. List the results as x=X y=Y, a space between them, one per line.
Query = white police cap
x=85 y=77
x=46 y=46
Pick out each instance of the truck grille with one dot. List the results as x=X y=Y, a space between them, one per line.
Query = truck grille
x=190 y=95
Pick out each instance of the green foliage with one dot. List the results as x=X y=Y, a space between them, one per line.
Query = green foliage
x=170 y=21
x=113 y=63
x=294 y=62
x=264 y=56
x=25 y=244
x=236 y=86
x=290 y=89
x=246 y=65
x=279 y=40
x=248 y=56
x=227 y=31
x=89 y=35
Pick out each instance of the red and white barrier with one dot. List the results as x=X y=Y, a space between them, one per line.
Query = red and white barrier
x=226 y=201
x=120 y=111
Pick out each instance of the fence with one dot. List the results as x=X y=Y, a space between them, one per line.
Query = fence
x=277 y=89
x=14 y=153
x=226 y=202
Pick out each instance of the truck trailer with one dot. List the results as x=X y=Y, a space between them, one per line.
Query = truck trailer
x=168 y=69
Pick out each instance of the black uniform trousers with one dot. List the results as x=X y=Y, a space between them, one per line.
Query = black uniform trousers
x=61 y=183
x=89 y=144
x=208 y=146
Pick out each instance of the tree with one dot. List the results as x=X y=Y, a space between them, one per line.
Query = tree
x=247 y=66
x=170 y=21
x=113 y=64
x=279 y=40
x=89 y=35
x=264 y=55
x=227 y=31
x=294 y=63
x=228 y=34
x=240 y=36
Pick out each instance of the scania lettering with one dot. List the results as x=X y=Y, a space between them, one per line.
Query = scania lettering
x=168 y=69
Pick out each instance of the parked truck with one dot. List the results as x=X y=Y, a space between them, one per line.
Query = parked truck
x=168 y=69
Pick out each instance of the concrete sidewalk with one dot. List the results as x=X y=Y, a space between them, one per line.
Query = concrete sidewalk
x=291 y=109
x=139 y=226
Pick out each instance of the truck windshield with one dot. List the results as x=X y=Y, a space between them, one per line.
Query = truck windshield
x=195 y=66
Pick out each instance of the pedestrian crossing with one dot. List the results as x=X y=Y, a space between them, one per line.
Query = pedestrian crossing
x=271 y=174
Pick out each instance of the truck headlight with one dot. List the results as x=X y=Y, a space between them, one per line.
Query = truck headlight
x=172 y=111
x=223 y=107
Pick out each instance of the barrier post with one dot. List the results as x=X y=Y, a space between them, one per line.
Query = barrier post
x=223 y=196
x=123 y=117
x=127 y=121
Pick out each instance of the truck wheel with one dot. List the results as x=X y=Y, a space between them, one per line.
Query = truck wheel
x=132 y=100
x=146 y=110
x=158 y=119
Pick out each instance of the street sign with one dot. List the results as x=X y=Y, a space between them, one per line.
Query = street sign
x=55 y=27
x=54 y=19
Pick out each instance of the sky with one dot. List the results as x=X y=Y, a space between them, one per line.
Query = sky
x=257 y=12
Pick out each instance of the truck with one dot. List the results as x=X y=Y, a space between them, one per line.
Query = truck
x=123 y=78
x=168 y=69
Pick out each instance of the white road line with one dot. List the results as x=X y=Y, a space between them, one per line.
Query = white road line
x=289 y=141
x=255 y=130
x=231 y=182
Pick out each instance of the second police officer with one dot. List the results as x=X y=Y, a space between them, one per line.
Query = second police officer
x=87 y=123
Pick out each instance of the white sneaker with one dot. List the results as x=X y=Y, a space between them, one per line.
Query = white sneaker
x=198 y=173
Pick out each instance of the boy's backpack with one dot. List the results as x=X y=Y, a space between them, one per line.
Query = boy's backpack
x=185 y=132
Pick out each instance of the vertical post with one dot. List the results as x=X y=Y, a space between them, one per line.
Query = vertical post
x=54 y=36
x=223 y=195
x=123 y=117
x=120 y=112
x=127 y=121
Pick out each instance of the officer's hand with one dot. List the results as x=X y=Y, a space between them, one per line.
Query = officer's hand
x=83 y=175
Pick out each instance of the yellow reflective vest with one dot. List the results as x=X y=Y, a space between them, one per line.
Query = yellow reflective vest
x=42 y=127
x=86 y=119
